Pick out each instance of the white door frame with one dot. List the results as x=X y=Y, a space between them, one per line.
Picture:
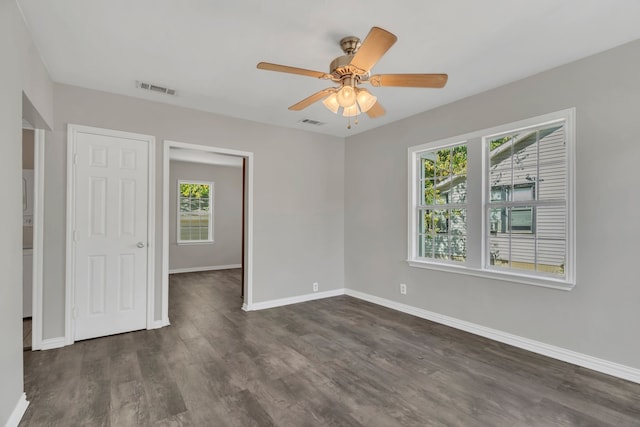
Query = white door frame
x=38 y=239
x=72 y=131
x=166 y=186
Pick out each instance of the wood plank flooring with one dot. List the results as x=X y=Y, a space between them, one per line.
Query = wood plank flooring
x=332 y=362
x=26 y=333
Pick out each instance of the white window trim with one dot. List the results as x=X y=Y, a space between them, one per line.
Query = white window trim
x=477 y=181
x=211 y=209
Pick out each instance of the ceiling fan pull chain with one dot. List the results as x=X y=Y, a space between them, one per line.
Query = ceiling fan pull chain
x=355 y=121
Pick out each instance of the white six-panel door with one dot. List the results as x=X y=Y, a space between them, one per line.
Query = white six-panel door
x=110 y=234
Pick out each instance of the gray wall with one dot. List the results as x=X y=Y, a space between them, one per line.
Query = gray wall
x=227 y=221
x=21 y=70
x=298 y=233
x=600 y=317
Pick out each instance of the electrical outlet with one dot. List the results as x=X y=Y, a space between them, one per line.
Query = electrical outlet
x=403 y=288
x=315 y=286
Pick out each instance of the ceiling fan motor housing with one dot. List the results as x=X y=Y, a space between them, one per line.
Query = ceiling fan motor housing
x=341 y=66
x=350 y=44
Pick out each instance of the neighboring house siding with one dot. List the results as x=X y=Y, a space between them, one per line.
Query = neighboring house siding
x=550 y=226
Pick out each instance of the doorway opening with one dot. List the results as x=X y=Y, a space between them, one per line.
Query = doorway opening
x=235 y=169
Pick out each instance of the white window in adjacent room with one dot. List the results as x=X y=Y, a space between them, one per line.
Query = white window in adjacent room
x=195 y=212
x=497 y=202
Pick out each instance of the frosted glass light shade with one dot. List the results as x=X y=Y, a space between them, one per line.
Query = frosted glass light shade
x=331 y=102
x=366 y=100
x=346 y=96
x=350 y=111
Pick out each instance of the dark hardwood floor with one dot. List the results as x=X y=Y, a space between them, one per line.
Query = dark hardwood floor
x=332 y=362
x=26 y=333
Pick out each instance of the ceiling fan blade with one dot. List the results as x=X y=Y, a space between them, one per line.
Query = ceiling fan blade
x=292 y=70
x=376 y=111
x=311 y=99
x=376 y=44
x=409 y=80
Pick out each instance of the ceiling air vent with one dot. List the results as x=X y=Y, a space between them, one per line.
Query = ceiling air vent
x=155 y=88
x=311 y=122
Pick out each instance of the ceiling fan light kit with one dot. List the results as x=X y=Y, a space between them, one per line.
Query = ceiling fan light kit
x=353 y=69
x=366 y=100
x=351 y=111
x=331 y=102
x=346 y=96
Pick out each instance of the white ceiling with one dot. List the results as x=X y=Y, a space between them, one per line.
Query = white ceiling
x=208 y=50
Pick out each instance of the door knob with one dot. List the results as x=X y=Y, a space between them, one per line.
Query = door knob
x=140 y=245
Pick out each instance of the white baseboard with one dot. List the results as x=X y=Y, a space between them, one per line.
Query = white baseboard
x=52 y=343
x=157 y=324
x=18 y=411
x=209 y=268
x=292 y=300
x=586 y=361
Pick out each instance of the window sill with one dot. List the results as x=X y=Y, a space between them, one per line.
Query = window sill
x=561 y=285
x=196 y=242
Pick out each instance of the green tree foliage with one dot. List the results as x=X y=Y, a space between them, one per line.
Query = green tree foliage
x=440 y=166
x=194 y=197
x=498 y=142
x=194 y=190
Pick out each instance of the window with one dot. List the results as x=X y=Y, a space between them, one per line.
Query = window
x=195 y=212
x=497 y=202
x=442 y=204
x=521 y=217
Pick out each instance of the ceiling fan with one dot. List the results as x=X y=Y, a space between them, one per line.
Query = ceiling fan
x=352 y=70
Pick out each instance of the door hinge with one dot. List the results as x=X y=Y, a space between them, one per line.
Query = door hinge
x=75 y=313
x=75 y=159
x=75 y=236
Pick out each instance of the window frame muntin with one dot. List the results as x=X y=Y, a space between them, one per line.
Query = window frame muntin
x=210 y=236
x=478 y=268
